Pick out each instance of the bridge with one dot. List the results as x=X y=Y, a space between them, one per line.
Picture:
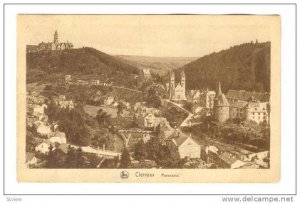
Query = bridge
x=134 y=135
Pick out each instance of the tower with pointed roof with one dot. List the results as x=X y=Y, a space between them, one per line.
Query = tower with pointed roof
x=221 y=106
x=183 y=80
x=55 y=41
x=171 y=85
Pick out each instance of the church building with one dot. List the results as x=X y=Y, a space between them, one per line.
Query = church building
x=177 y=91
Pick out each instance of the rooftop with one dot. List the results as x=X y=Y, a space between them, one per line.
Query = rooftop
x=247 y=96
x=228 y=158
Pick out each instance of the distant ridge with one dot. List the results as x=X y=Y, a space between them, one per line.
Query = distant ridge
x=159 y=65
x=241 y=67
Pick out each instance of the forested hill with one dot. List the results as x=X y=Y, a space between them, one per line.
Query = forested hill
x=245 y=66
x=84 y=61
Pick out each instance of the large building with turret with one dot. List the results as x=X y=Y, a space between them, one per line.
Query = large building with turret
x=221 y=106
x=242 y=105
x=177 y=91
x=50 y=46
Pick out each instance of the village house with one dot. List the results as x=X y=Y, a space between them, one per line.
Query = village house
x=237 y=109
x=57 y=136
x=184 y=144
x=207 y=98
x=194 y=96
x=63 y=148
x=196 y=109
x=63 y=103
x=146 y=73
x=147 y=121
x=44 y=147
x=95 y=82
x=257 y=111
x=143 y=110
x=228 y=160
x=108 y=101
x=211 y=154
x=31 y=159
x=82 y=82
x=43 y=130
x=67 y=78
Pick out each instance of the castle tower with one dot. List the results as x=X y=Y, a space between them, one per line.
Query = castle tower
x=55 y=41
x=171 y=85
x=219 y=93
x=221 y=106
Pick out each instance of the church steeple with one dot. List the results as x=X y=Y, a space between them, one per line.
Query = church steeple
x=171 y=84
x=55 y=41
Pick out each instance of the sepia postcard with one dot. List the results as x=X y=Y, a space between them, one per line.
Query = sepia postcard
x=148 y=98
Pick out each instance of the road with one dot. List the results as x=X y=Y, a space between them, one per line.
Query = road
x=125 y=88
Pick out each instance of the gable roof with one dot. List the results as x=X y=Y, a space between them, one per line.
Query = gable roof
x=146 y=71
x=246 y=95
x=58 y=134
x=29 y=156
x=179 y=140
x=228 y=158
x=238 y=104
x=63 y=147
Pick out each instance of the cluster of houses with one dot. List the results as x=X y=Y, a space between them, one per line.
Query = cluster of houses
x=49 y=134
x=236 y=104
x=68 y=80
x=217 y=158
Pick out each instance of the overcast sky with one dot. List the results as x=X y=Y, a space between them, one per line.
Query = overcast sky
x=149 y=35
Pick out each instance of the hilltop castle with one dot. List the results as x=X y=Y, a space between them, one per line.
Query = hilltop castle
x=50 y=46
x=177 y=92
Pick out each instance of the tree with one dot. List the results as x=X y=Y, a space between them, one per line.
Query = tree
x=81 y=161
x=188 y=106
x=125 y=159
x=120 y=108
x=70 y=159
x=140 y=152
x=153 y=96
x=55 y=159
x=50 y=160
x=102 y=118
